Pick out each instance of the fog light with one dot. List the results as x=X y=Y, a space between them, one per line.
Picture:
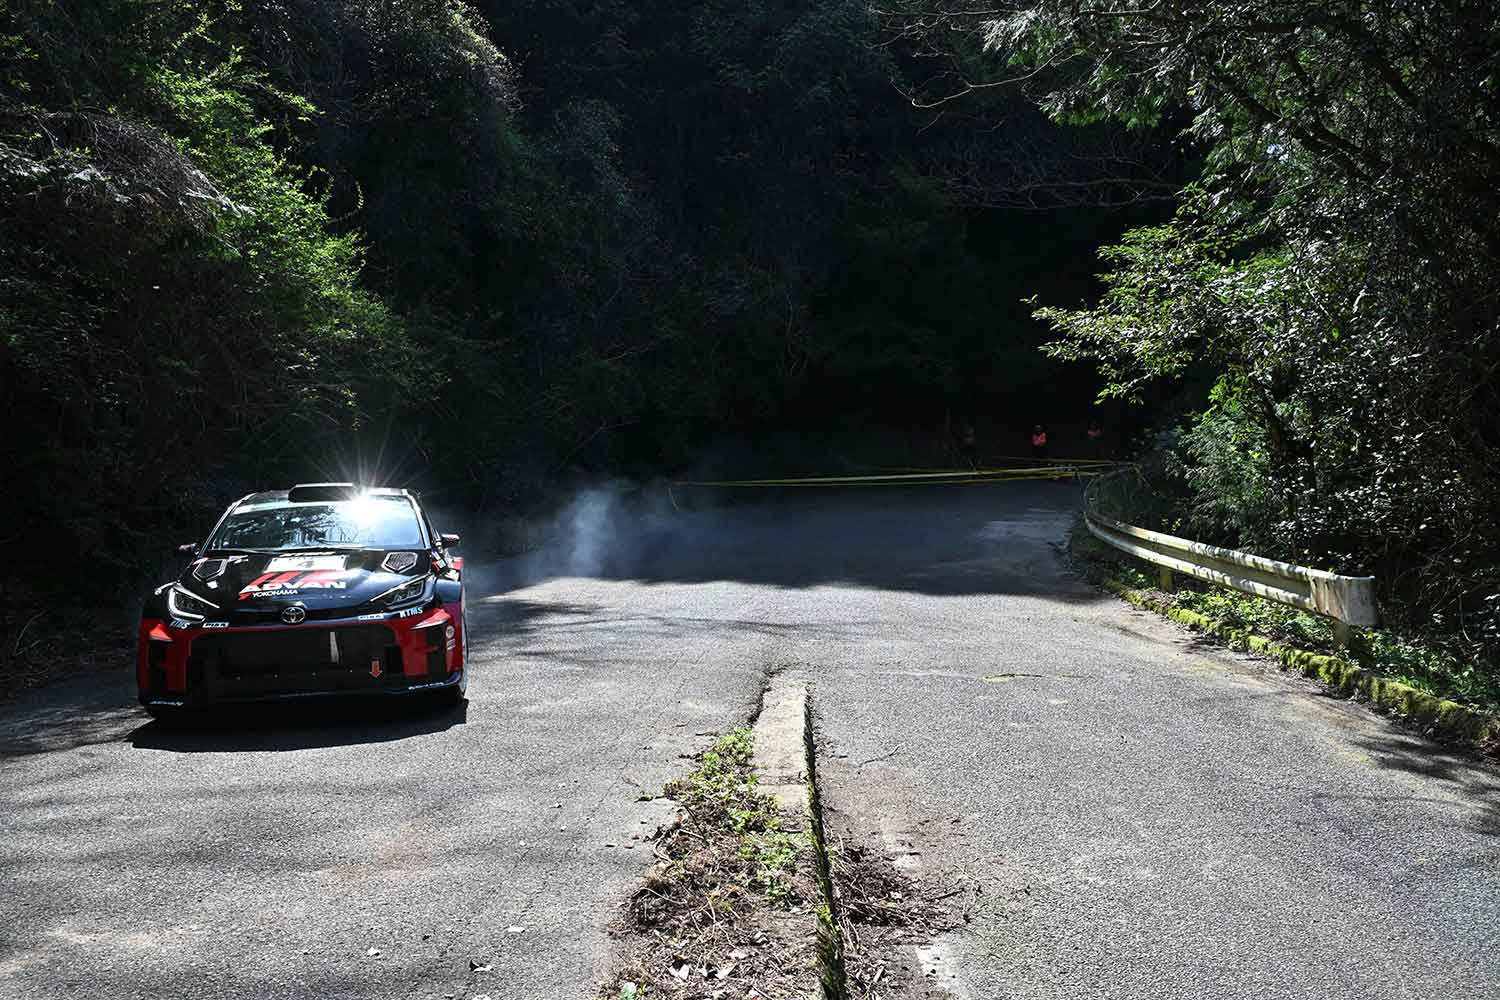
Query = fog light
x=452 y=636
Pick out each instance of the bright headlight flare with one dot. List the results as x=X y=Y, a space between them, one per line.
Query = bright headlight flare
x=399 y=562
x=183 y=604
x=209 y=569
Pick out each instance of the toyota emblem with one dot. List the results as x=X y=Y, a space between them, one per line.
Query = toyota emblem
x=294 y=615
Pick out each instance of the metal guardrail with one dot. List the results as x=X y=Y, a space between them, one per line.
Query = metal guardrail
x=1348 y=600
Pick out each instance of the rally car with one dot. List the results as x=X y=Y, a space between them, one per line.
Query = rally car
x=322 y=589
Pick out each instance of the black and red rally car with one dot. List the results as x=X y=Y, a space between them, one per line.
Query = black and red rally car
x=322 y=589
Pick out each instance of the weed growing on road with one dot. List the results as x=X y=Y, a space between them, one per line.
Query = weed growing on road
x=729 y=900
x=721 y=795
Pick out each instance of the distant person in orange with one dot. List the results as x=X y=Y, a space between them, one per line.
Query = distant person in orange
x=1096 y=439
x=1039 y=445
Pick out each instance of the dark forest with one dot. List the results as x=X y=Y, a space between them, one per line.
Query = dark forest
x=493 y=249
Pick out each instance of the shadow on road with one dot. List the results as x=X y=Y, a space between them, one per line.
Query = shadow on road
x=273 y=727
x=96 y=710
x=1469 y=776
x=77 y=712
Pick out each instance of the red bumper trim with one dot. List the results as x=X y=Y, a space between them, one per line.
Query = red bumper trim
x=410 y=635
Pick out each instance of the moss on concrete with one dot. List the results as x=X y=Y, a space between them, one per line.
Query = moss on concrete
x=1439 y=717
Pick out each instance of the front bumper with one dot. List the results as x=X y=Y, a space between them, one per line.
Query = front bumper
x=181 y=664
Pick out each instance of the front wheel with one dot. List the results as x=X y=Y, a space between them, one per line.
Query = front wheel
x=168 y=715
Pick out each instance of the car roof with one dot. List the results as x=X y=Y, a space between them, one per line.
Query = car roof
x=281 y=498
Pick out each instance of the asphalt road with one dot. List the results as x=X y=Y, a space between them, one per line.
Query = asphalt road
x=1141 y=815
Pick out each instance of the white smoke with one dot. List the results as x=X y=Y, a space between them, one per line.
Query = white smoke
x=602 y=530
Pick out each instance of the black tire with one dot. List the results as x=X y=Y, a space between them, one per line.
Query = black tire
x=168 y=715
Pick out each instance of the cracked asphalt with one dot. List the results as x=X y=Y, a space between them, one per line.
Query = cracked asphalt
x=1135 y=813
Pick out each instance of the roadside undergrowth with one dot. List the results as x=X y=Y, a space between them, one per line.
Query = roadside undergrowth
x=884 y=914
x=728 y=907
x=1406 y=659
x=1376 y=668
x=40 y=643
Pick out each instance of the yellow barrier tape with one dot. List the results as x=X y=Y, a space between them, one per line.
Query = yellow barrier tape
x=1069 y=461
x=1089 y=463
x=957 y=477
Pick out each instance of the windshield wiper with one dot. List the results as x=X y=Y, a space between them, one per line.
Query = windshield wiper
x=329 y=548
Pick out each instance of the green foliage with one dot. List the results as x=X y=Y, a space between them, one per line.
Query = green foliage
x=1419 y=662
x=722 y=792
x=723 y=786
x=1174 y=299
x=172 y=298
x=1432 y=663
x=1334 y=279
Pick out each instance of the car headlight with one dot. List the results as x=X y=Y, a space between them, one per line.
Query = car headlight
x=399 y=562
x=406 y=593
x=183 y=603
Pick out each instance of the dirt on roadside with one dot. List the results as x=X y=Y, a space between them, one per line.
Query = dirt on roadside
x=728 y=906
x=40 y=644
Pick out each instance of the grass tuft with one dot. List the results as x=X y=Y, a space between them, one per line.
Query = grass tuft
x=729 y=900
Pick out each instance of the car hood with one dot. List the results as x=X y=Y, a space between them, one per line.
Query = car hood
x=326 y=584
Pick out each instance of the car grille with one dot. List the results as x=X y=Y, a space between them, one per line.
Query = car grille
x=272 y=615
x=299 y=660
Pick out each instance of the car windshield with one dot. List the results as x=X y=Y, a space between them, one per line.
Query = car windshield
x=370 y=522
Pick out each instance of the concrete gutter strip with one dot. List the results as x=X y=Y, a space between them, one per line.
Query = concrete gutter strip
x=1447 y=720
x=833 y=978
x=780 y=755
x=786 y=762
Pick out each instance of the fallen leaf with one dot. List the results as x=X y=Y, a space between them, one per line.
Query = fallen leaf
x=476 y=967
x=513 y=929
x=373 y=953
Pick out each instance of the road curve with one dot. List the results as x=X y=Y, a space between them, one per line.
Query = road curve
x=1145 y=815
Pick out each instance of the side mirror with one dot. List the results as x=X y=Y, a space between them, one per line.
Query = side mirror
x=188 y=549
x=449 y=541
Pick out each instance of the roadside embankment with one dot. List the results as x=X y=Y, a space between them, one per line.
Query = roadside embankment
x=1435 y=716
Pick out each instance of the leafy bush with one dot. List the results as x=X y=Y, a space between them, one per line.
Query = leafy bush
x=173 y=302
x=1333 y=276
